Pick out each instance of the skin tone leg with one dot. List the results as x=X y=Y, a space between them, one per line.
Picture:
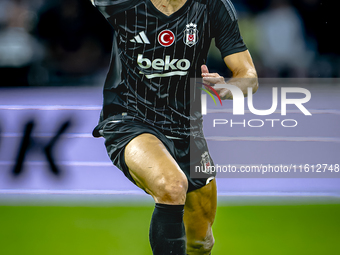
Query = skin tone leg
x=156 y=172
x=199 y=215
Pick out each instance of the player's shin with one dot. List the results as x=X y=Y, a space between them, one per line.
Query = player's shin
x=167 y=232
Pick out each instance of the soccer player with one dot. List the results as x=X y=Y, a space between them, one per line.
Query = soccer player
x=151 y=110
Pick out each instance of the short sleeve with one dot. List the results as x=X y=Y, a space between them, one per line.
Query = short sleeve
x=111 y=7
x=225 y=28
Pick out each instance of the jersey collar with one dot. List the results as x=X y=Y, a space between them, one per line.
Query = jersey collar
x=164 y=17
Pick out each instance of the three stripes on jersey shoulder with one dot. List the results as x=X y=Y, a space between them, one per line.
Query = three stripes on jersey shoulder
x=230 y=8
x=140 y=38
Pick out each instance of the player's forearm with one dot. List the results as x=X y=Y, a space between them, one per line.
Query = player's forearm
x=244 y=72
x=244 y=80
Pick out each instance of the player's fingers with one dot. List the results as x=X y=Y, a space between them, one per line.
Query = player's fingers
x=211 y=75
x=214 y=80
x=204 y=69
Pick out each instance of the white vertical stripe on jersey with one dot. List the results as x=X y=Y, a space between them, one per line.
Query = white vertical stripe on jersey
x=186 y=80
x=146 y=30
x=153 y=57
x=197 y=69
x=126 y=34
x=194 y=54
x=133 y=54
x=136 y=37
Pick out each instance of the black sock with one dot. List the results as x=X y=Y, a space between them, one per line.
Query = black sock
x=167 y=232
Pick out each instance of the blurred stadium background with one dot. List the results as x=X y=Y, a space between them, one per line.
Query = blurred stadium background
x=54 y=56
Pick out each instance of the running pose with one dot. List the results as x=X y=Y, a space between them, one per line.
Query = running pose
x=151 y=118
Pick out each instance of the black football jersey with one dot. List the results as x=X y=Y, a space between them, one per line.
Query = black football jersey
x=156 y=59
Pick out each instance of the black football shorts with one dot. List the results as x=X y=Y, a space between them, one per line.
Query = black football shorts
x=118 y=131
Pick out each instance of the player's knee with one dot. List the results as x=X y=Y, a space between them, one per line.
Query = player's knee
x=171 y=191
x=202 y=245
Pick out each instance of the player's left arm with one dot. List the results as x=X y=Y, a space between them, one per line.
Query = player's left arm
x=243 y=71
x=234 y=52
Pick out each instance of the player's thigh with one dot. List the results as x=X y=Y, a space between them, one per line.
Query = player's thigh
x=155 y=170
x=199 y=214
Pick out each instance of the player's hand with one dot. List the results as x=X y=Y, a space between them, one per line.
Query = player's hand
x=212 y=79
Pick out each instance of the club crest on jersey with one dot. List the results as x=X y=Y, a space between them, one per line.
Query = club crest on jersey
x=190 y=37
x=205 y=161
